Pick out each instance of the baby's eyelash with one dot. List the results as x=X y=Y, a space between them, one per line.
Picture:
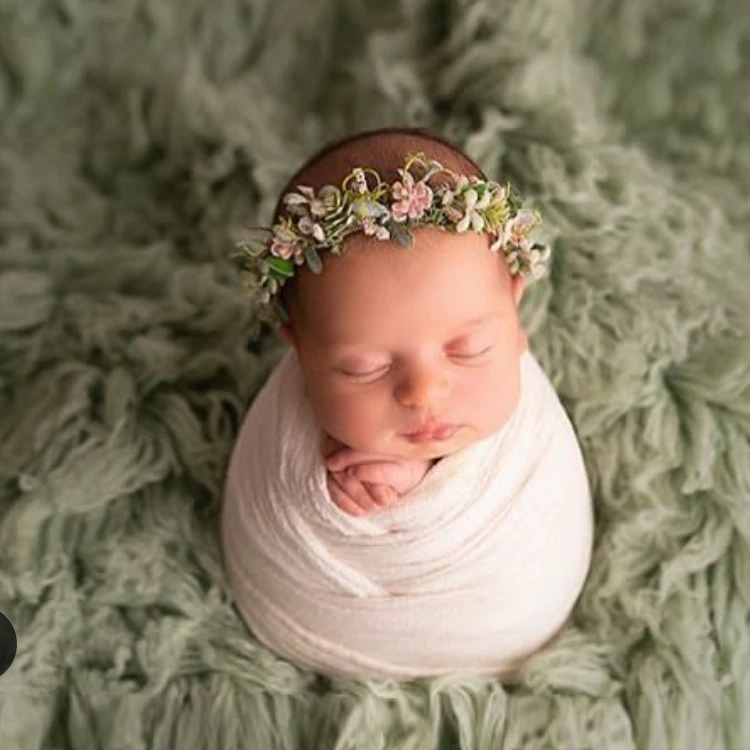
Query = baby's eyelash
x=473 y=356
x=386 y=367
x=362 y=374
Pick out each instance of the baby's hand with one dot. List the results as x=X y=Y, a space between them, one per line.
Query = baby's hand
x=361 y=483
x=358 y=498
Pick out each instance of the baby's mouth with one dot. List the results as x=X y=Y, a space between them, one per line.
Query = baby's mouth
x=431 y=434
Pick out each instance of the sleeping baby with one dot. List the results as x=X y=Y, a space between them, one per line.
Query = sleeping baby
x=407 y=496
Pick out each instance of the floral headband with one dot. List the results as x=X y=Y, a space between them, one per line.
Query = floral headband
x=321 y=221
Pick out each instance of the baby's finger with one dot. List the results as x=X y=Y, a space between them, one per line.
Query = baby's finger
x=341 y=498
x=392 y=473
x=382 y=494
x=349 y=457
x=358 y=493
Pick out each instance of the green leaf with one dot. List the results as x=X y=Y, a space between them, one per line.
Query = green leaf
x=280 y=311
x=400 y=234
x=282 y=267
x=314 y=263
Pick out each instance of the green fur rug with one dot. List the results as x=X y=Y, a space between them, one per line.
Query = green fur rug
x=134 y=136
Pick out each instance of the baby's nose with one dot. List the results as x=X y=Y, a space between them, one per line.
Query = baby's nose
x=422 y=389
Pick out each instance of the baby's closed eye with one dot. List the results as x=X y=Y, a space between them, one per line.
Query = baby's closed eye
x=381 y=370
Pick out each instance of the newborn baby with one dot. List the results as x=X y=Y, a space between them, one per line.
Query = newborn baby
x=407 y=496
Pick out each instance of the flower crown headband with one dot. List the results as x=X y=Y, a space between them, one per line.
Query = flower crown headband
x=321 y=221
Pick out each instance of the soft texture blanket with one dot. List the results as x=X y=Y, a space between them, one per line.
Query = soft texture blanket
x=472 y=571
x=134 y=135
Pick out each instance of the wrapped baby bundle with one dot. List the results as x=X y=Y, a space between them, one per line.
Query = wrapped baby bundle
x=474 y=570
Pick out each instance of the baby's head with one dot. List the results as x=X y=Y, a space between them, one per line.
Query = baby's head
x=392 y=338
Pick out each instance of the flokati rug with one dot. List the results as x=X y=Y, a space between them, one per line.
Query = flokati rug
x=135 y=136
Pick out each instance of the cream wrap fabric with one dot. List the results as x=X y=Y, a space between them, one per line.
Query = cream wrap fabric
x=473 y=570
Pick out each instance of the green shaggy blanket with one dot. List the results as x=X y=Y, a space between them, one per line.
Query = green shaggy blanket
x=135 y=136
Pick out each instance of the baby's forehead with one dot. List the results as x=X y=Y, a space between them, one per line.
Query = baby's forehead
x=379 y=333
x=351 y=317
x=457 y=269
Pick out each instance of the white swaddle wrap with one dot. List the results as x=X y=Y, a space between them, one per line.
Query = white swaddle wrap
x=473 y=570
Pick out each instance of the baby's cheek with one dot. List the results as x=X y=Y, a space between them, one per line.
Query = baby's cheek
x=506 y=392
x=355 y=419
x=489 y=397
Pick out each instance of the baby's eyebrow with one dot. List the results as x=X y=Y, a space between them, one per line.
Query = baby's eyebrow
x=474 y=322
x=468 y=325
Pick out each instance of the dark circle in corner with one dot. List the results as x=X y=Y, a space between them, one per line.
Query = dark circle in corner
x=8 y=644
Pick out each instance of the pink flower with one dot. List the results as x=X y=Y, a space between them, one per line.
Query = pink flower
x=281 y=249
x=284 y=243
x=412 y=199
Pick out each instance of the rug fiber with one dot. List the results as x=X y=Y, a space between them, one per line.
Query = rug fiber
x=137 y=136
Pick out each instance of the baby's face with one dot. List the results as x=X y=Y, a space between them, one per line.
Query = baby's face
x=388 y=342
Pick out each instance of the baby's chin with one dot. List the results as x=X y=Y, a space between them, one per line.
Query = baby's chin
x=442 y=448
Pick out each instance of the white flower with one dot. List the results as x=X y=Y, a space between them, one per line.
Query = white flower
x=329 y=199
x=360 y=181
x=538 y=257
x=305 y=195
x=517 y=228
x=309 y=227
x=472 y=218
x=513 y=261
x=498 y=193
x=450 y=195
x=284 y=231
x=306 y=198
x=371 y=228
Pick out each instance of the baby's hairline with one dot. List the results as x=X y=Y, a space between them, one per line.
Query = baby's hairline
x=384 y=150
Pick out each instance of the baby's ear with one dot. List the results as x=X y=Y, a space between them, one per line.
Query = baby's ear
x=517 y=285
x=523 y=338
x=286 y=333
